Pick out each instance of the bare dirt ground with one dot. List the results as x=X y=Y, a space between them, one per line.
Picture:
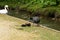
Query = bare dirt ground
x=7 y=32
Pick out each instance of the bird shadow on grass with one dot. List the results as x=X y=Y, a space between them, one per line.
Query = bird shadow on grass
x=19 y=28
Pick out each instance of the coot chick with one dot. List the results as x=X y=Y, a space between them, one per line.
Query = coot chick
x=28 y=24
x=23 y=25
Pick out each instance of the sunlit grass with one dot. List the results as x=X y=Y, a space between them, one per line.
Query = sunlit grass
x=42 y=33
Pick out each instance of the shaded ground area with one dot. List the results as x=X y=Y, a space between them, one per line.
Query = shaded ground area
x=53 y=24
x=9 y=30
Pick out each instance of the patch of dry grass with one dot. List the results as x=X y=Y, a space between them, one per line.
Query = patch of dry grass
x=9 y=30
